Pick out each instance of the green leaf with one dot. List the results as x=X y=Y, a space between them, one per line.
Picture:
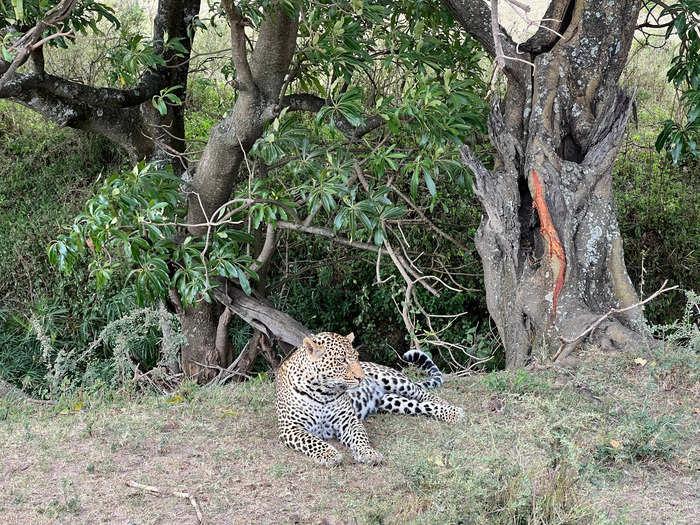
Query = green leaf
x=414 y=183
x=661 y=140
x=430 y=184
x=378 y=236
x=19 y=9
x=243 y=279
x=339 y=220
x=395 y=213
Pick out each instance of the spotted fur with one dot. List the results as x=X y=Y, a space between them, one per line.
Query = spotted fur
x=324 y=392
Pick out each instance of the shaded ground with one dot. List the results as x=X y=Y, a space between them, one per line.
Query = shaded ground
x=614 y=441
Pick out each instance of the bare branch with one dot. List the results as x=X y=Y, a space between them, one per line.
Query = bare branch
x=267 y=249
x=41 y=42
x=223 y=342
x=475 y=17
x=495 y=31
x=428 y=222
x=155 y=490
x=239 y=53
x=328 y=233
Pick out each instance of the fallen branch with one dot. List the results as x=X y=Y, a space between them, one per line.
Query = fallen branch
x=569 y=344
x=159 y=492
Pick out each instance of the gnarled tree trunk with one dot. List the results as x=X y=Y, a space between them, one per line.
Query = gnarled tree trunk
x=549 y=240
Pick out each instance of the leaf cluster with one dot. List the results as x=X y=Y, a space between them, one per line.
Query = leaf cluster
x=680 y=139
x=22 y=15
x=399 y=99
x=133 y=222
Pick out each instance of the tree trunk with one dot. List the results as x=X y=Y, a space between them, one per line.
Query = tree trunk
x=259 y=79
x=126 y=117
x=549 y=239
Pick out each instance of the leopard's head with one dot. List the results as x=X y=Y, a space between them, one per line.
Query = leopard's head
x=333 y=361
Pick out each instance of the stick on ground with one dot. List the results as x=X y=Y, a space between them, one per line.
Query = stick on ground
x=157 y=491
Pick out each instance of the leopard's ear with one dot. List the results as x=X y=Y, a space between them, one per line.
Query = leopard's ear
x=350 y=337
x=313 y=349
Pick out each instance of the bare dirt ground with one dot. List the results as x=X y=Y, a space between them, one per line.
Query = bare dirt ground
x=614 y=441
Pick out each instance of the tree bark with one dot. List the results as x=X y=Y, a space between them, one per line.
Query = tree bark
x=126 y=117
x=259 y=78
x=549 y=238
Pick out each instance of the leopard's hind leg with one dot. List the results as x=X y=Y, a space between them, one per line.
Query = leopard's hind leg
x=395 y=382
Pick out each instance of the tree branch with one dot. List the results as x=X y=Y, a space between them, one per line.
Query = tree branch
x=239 y=53
x=568 y=344
x=430 y=224
x=313 y=104
x=25 y=45
x=545 y=37
x=475 y=17
x=329 y=234
x=259 y=313
x=75 y=93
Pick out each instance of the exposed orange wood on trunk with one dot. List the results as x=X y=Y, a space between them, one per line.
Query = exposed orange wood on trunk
x=552 y=237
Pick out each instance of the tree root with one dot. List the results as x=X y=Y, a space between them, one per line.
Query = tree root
x=568 y=345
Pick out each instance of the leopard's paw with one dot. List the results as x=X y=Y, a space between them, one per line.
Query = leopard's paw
x=452 y=414
x=330 y=458
x=369 y=456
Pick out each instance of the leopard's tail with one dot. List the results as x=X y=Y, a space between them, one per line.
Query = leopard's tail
x=423 y=361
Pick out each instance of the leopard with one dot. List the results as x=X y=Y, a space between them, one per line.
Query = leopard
x=323 y=391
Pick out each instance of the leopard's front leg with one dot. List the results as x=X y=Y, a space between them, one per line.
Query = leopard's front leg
x=353 y=434
x=300 y=439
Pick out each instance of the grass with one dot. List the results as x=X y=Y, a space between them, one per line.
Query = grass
x=46 y=175
x=609 y=442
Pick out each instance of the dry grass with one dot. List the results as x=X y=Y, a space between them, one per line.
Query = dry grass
x=535 y=447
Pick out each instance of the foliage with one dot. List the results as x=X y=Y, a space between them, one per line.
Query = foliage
x=134 y=336
x=501 y=490
x=658 y=218
x=132 y=53
x=69 y=310
x=401 y=66
x=165 y=97
x=308 y=166
x=132 y=223
x=681 y=139
x=22 y=15
x=426 y=119
x=331 y=289
x=680 y=342
x=516 y=381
